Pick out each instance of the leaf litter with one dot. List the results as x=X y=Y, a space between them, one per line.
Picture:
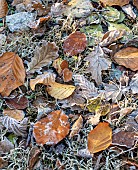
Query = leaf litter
x=68 y=84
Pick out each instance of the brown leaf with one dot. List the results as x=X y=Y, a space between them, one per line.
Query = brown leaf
x=40 y=8
x=3 y=8
x=135 y=2
x=3 y=163
x=76 y=127
x=67 y=75
x=5 y=146
x=43 y=56
x=60 y=91
x=127 y=57
x=98 y=62
x=45 y=79
x=18 y=102
x=124 y=138
x=114 y=2
x=12 y=73
x=16 y=114
x=51 y=129
x=75 y=43
x=99 y=138
x=60 y=65
x=111 y=36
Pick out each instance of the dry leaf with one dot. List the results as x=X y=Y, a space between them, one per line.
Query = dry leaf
x=111 y=36
x=5 y=146
x=67 y=75
x=12 y=73
x=12 y=125
x=16 y=114
x=97 y=63
x=3 y=8
x=40 y=8
x=134 y=84
x=128 y=9
x=84 y=153
x=124 y=138
x=60 y=65
x=94 y=119
x=18 y=102
x=3 y=163
x=43 y=56
x=51 y=129
x=45 y=79
x=16 y=2
x=135 y=2
x=60 y=91
x=99 y=138
x=127 y=57
x=87 y=89
x=114 y=2
x=76 y=127
x=75 y=43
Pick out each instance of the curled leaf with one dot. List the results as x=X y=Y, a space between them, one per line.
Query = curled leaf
x=51 y=129
x=60 y=65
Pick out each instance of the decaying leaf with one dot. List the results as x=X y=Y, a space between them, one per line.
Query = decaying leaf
x=114 y=2
x=46 y=79
x=43 y=56
x=124 y=138
x=87 y=88
x=111 y=36
x=16 y=114
x=3 y=163
x=135 y=2
x=94 y=104
x=75 y=43
x=5 y=146
x=18 y=102
x=76 y=127
x=3 y=8
x=51 y=129
x=99 y=138
x=67 y=75
x=127 y=57
x=12 y=73
x=60 y=91
x=97 y=63
x=12 y=125
x=134 y=84
x=94 y=119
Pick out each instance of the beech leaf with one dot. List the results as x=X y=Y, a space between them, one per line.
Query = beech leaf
x=12 y=73
x=51 y=129
x=99 y=138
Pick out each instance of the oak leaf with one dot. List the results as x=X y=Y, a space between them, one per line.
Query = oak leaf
x=60 y=91
x=76 y=127
x=16 y=114
x=43 y=56
x=46 y=78
x=127 y=57
x=51 y=129
x=3 y=8
x=99 y=138
x=114 y=2
x=12 y=73
x=75 y=43
x=98 y=62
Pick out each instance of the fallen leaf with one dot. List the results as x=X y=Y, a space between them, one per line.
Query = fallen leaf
x=124 y=138
x=112 y=36
x=94 y=119
x=84 y=153
x=76 y=127
x=128 y=9
x=3 y=163
x=46 y=79
x=67 y=75
x=5 y=146
x=124 y=112
x=134 y=84
x=127 y=57
x=18 y=102
x=3 y=8
x=60 y=65
x=114 y=2
x=12 y=73
x=86 y=89
x=135 y=2
x=16 y=114
x=43 y=56
x=40 y=8
x=51 y=129
x=97 y=63
x=99 y=138
x=60 y=91
x=94 y=104
x=16 y=2
x=75 y=43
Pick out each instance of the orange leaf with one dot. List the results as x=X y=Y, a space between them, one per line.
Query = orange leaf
x=16 y=114
x=3 y=8
x=127 y=57
x=135 y=2
x=60 y=65
x=67 y=75
x=60 y=91
x=51 y=129
x=114 y=2
x=99 y=138
x=12 y=73
x=76 y=127
x=75 y=43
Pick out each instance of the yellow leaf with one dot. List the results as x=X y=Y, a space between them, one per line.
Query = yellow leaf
x=60 y=91
x=99 y=138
